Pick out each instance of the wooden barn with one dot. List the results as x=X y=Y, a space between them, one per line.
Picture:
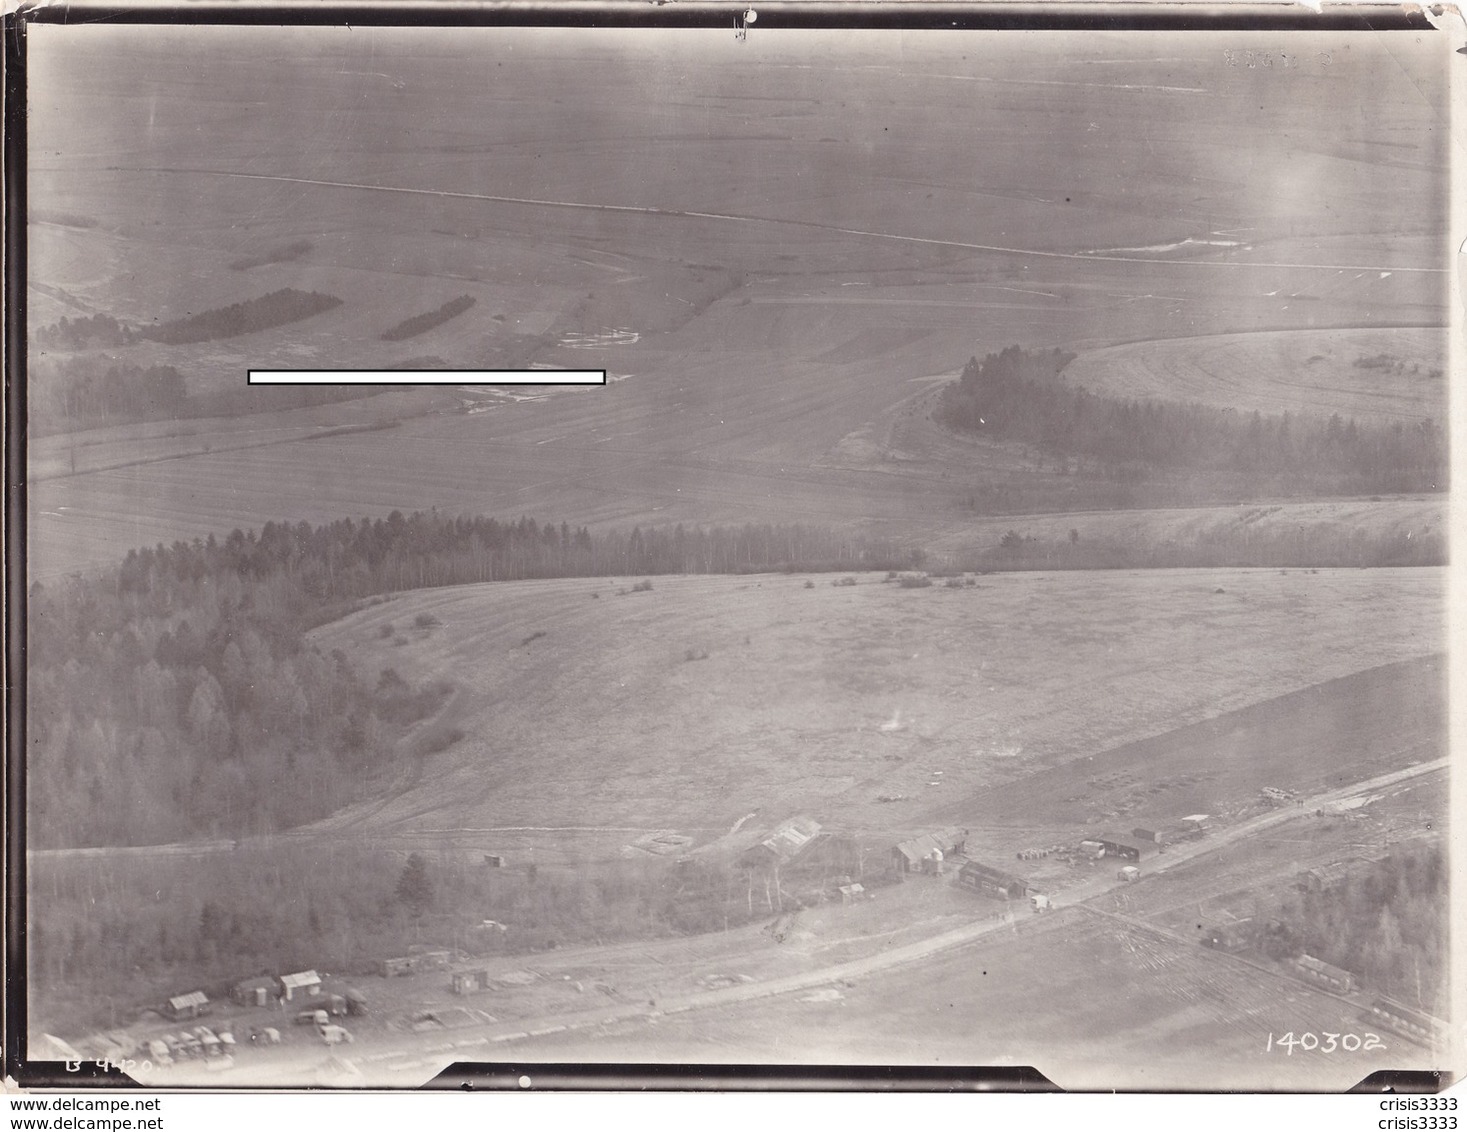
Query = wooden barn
x=927 y=852
x=992 y=882
x=787 y=842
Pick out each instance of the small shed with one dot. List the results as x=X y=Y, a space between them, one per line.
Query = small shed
x=494 y=860
x=1092 y=849
x=195 y=1004
x=434 y=960
x=254 y=992
x=1194 y=823
x=299 y=985
x=850 y=893
x=1130 y=874
x=1152 y=836
x=400 y=965
x=992 y=882
x=1324 y=974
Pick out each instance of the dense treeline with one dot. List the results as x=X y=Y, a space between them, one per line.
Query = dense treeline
x=75 y=394
x=146 y=928
x=83 y=397
x=77 y=333
x=176 y=694
x=275 y=309
x=1385 y=923
x=1250 y=540
x=422 y=323
x=1017 y=395
x=347 y=560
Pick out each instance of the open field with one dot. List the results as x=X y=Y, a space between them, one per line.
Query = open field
x=823 y=699
x=769 y=300
x=1314 y=372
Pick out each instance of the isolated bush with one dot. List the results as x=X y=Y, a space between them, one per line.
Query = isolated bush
x=914 y=581
x=426 y=621
x=809 y=584
x=386 y=631
x=642 y=586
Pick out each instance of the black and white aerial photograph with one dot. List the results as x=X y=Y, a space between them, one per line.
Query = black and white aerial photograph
x=993 y=614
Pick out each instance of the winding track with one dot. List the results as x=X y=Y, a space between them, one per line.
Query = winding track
x=740 y=218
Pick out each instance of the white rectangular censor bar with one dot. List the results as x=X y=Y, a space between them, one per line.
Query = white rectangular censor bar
x=427 y=377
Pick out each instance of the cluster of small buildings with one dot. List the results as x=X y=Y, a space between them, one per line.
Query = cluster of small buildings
x=271 y=990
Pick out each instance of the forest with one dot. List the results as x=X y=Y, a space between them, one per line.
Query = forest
x=63 y=395
x=172 y=696
x=1020 y=395
x=1386 y=923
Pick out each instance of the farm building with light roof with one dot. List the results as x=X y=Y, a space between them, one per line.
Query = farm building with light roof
x=909 y=856
x=787 y=842
x=301 y=984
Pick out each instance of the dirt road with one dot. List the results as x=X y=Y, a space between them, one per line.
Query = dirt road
x=416 y=1063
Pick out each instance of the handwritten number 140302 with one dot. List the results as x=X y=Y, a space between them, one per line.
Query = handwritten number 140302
x=1323 y=1042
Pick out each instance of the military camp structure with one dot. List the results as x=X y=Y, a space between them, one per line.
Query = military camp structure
x=1325 y=975
x=992 y=882
x=195 y=1004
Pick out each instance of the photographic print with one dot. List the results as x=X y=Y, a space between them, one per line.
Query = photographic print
x=993 y=613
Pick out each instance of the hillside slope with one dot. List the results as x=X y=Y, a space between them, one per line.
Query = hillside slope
x=602 y=714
